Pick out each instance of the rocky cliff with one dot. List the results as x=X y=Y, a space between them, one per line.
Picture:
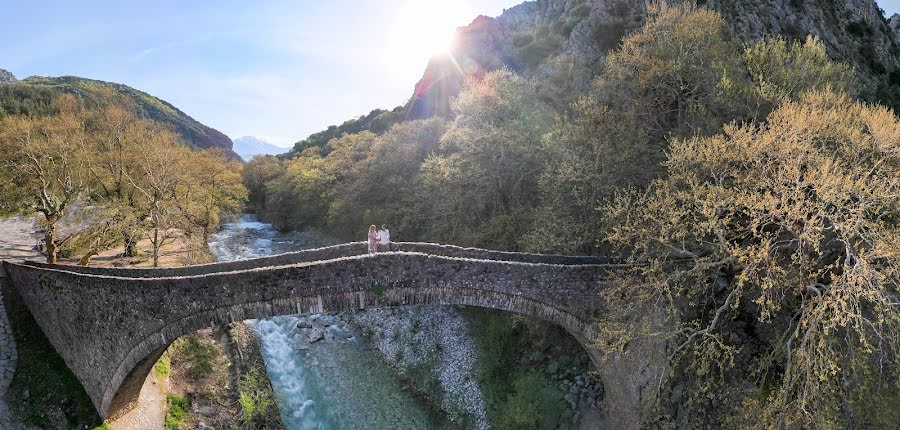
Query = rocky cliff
x=5 y=76
x=894 y=23
x=538 y=38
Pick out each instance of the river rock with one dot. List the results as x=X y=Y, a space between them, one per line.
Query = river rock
x=315 y=334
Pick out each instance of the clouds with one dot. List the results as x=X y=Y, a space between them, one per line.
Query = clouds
x=144 y=53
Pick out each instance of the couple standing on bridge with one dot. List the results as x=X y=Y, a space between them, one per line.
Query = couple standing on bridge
x=379 y=240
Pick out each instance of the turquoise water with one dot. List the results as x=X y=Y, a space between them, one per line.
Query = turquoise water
x=334 y=383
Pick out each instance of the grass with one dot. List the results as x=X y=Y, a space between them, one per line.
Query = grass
x=176 y=413
x=196 y=354
x=44 y=390
x=162 y=369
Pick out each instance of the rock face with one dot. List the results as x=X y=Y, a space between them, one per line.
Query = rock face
x=854 y=31
x=894 y=23
x=538 y=37
x=6 y=76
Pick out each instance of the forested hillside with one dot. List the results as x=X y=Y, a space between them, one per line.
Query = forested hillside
x=33 y=96
x=744 y=173
x=563 y=44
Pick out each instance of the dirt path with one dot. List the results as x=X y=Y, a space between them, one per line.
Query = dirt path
x=150 y=412
x=17 y=239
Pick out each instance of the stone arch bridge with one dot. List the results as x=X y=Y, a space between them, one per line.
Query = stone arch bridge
x=111 y=325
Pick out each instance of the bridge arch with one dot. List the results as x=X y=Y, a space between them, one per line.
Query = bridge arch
x=124 y=388
x=111 y=325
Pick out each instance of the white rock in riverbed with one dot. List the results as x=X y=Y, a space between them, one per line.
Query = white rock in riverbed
x=434 y=337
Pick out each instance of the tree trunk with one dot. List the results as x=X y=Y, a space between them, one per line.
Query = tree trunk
x=156 y=247
x=86 y=258
x=130 y=244
x=50 y=242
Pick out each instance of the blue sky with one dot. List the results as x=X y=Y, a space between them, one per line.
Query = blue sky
x=279 y=70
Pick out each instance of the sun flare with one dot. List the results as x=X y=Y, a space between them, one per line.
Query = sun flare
x=424 y=29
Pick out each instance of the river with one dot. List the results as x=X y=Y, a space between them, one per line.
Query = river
x=323 y=375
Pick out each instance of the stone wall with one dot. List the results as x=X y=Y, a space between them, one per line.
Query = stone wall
x=109 y=328
x=329 y=253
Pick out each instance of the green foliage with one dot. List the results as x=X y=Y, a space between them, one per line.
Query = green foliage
x=196 y=354
x=362 y=179
x=538 y=50
x=533 y=404
x=769 y=247
x=888 y=93
x=255 y=398
x=377 y=121
x=486 y=177
x=509 y=349
x=163 y=368
x=18 y=99
x=671 y=79
x=781 y=71
x=103 y=426
x=522 y=40
x=176 y=413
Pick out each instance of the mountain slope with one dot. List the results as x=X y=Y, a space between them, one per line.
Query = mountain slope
x=544 y=37
x=33 y=95
x=248 y=146
x=567 y=40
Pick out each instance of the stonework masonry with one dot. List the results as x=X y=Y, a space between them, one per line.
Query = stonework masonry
x=111 y=325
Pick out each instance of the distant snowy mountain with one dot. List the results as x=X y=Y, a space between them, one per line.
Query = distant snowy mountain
x=248 y=146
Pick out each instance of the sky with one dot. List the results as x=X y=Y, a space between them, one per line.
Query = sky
x=279 y=70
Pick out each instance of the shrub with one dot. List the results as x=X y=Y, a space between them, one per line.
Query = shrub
x=255 y=398
x=534 y=404
x=176 y=414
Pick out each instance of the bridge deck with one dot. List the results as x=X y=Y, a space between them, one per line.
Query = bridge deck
x=327 y=253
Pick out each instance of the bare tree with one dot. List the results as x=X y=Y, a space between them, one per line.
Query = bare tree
x=43 y=163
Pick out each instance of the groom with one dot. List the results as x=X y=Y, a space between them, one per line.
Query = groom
x=384 y=239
